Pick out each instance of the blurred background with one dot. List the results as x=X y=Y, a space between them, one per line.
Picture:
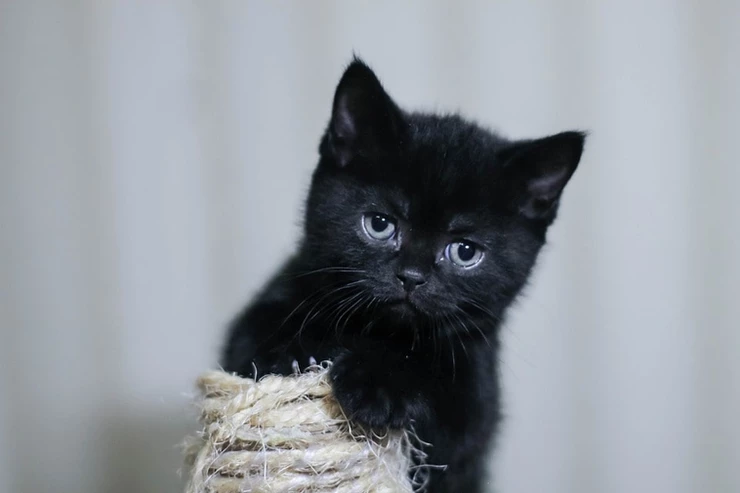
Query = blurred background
x=154 y=157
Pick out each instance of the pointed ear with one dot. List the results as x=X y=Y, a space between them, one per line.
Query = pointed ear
x=538 y=170
x=364 y=121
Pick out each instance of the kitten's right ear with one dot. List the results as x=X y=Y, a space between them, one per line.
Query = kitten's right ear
x=538 y=170
x=364 y=121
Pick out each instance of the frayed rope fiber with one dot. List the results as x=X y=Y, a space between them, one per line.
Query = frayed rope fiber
x=288 y=434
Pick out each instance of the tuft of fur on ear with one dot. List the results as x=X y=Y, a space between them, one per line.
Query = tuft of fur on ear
x=539 y=169
x=364 y=119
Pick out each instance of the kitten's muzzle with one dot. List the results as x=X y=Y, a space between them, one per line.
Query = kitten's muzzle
x=411 y=278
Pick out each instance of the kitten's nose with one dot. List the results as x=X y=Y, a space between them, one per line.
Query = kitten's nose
x=411 y=278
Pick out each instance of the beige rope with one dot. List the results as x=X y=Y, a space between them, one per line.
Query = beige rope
x=288 y=434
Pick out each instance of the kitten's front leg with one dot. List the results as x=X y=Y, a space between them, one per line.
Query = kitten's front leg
x=380 y=388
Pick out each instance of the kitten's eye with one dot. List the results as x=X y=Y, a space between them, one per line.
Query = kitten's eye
x=378 y=226
x=464 y=253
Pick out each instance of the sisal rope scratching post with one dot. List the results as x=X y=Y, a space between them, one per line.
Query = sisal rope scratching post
x=288 y=434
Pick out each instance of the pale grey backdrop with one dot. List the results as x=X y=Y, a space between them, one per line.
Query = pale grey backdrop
x=154 y=157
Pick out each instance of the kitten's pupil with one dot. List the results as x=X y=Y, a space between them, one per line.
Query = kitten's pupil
x=379 y=223
x=465 y=251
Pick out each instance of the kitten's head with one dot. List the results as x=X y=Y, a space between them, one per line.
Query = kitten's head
x=436 y=217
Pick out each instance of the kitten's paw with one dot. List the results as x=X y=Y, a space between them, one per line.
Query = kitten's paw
x=300 y=367
x=281 y=362
x=371 y=396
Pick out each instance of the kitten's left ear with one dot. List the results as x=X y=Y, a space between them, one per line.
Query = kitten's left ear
x=365 y=121
x=538 y=170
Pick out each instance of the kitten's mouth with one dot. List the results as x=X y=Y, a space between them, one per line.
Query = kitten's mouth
x=400 y=299
x=404 y=305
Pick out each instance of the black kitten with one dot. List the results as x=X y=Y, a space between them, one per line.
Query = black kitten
x=420 y=231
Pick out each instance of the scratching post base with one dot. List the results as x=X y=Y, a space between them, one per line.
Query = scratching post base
x=288 y=434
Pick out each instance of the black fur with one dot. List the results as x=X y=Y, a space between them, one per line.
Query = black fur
x=413 y=335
